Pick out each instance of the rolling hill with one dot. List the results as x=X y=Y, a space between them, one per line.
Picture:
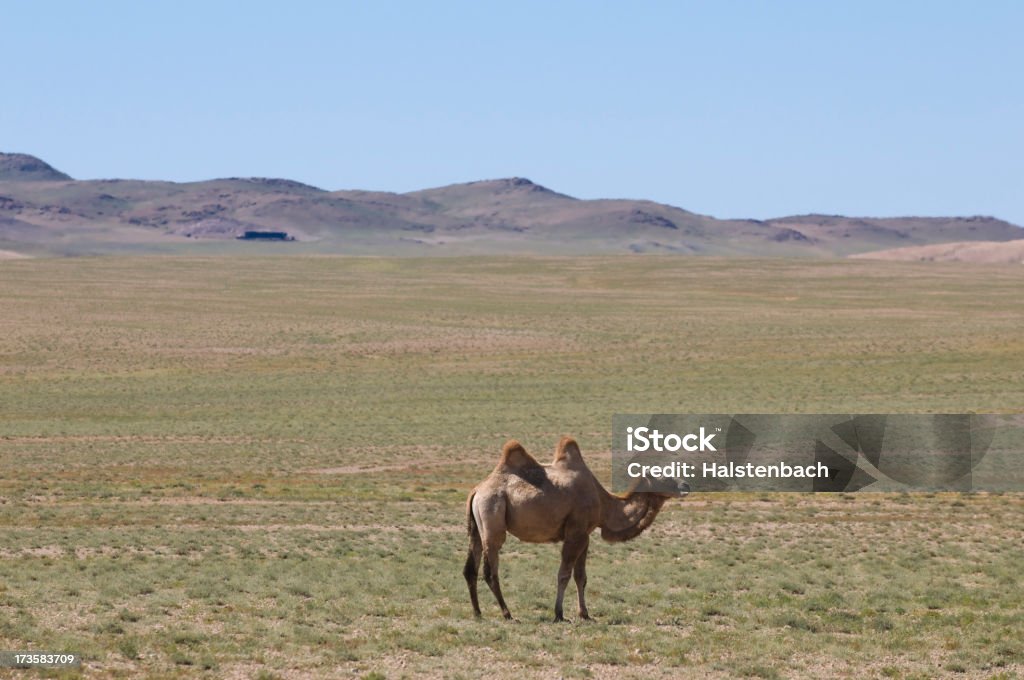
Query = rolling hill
x=21 y=167
x=45 y=212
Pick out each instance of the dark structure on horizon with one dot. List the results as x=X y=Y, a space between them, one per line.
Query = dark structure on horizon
x=266 y=236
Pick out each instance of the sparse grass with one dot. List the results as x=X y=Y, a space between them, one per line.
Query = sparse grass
x=257 y=467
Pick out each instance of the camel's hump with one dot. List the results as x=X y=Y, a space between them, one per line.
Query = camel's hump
x=514 y=456
x=567 y=453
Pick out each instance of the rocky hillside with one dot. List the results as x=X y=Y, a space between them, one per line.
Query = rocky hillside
x=20 y=167
x=43 y=211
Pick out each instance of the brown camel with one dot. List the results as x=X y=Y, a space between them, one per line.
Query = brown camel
x=538 y=503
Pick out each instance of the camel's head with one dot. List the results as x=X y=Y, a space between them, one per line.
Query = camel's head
x=680 y=488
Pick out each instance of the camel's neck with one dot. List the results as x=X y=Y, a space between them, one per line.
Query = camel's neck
x=625 y=518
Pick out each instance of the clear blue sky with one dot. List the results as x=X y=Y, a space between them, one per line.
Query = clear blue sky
x=735 y=109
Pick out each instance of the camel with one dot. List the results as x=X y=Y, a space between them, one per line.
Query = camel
x=538 y=503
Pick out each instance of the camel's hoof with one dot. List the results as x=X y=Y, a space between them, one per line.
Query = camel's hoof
x=558 y=619
x=585 y=617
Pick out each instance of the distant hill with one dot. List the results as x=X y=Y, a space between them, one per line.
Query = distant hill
x=24 y=168
x=981 y=252
x=43 y=211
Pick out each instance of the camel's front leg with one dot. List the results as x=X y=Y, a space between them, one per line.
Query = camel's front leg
x=579 y=573
x=571 y=550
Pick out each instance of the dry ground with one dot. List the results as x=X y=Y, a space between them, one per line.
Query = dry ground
x=257 y=467
x=979 y=252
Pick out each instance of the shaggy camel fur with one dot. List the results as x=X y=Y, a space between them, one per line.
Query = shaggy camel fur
x=538 y=503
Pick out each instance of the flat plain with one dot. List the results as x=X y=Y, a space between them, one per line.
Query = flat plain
x=257 y=467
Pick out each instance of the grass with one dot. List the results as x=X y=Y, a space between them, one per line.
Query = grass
x=257 y=467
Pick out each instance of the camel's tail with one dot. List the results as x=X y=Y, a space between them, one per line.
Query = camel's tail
x=472 y=567
x=475 y=544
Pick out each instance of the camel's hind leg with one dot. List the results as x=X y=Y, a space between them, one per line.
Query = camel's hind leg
x=491 y=576
x=579 y=573
x=489 y=514
x=572 y=549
